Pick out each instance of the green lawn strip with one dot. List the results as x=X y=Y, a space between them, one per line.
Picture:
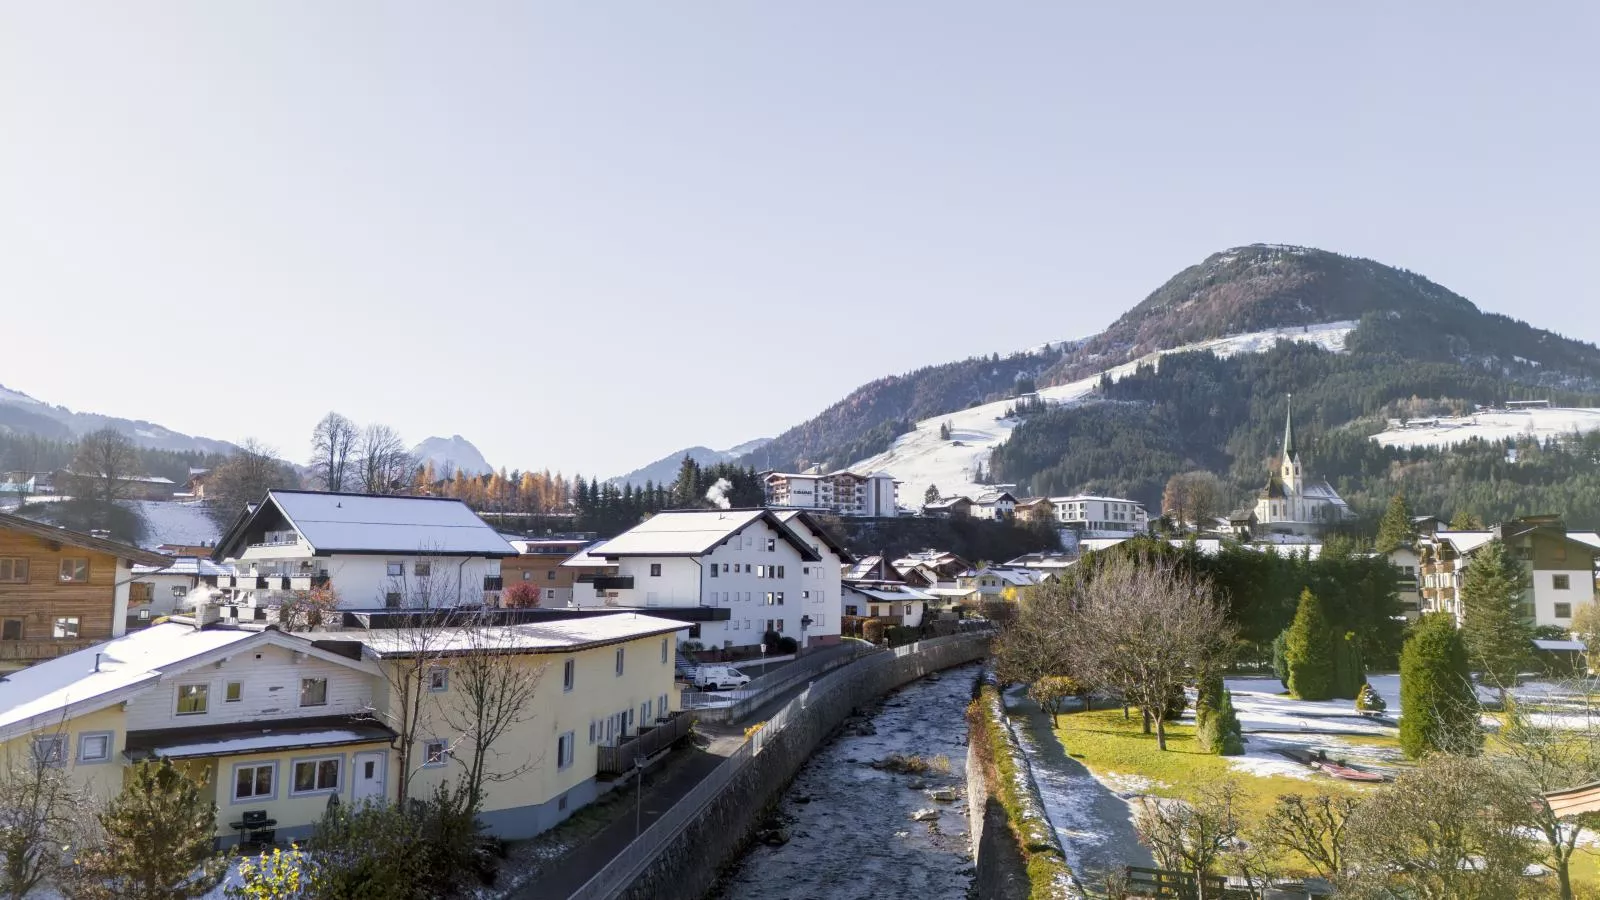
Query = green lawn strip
x=1048 y=873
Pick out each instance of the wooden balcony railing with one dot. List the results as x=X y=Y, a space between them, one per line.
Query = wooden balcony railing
x=654 y=739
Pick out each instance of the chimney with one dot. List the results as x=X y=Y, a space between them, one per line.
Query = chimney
x=97 y=662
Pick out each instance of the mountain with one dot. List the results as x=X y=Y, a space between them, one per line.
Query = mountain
x=1194 y=376
x=665 y=469
x=451 y=454
x=22 y=414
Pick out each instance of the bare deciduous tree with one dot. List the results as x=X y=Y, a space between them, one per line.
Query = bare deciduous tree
x=41 y=818
x=244 y=478
x=382 y=463
x=1191 y=837
x=493 y=686
x=1142 y=626
x=104 y=464
x=1453 y=828
x=1194 y=498
x=1310 y=827
x=1544 y=752
x=332 y=444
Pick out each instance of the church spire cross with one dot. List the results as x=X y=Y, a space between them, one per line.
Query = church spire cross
x=1288 y=431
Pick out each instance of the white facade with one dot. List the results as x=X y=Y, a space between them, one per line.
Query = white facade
x=269 y=682
x=1088 y=513
x=994 y=505
x=767 y=575
x=1292 y=504
x=844 y=493
x=1558 y=593
x=880 y=600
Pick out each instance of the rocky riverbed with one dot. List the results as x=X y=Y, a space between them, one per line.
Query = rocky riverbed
x=878 y=812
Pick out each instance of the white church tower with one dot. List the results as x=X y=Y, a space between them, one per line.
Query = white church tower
x=1290 y=504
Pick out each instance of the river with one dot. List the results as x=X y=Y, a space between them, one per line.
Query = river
x=850 y=827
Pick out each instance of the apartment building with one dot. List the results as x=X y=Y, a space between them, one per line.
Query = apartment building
x=844 y=493
x=1560 y=565
x=1087 y=513
x=538 y=562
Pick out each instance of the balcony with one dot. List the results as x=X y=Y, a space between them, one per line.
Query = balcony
x=38 y=651
x=603 y=583
x=652 y=739
x=250 y=581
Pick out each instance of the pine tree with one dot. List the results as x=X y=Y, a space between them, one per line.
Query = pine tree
x=1348 y=671
x=1208 y=697
x=1224 y=736
x=157 y=841
x=1465 y=521
x=1280 y=657
x=931 y=495
x=1438 y=707
x=1309 y=651
x=1492 y=625
x=1395 y=530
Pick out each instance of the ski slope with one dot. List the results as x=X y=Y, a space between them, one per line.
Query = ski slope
x=919 y=458
x=1493 y=425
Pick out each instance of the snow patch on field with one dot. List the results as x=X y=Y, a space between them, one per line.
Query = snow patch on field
x=1494 y=425
x=920 y=458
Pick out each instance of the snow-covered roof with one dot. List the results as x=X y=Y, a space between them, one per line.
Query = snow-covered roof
x=38 y=695
x=1592 y=538
x=256 y=737
x=1558 y=645
x=888 y=593
x=167 y=522
x=1043 y=561
x=547 y=546
x=368 y=523
x=803 y=524
x=589 y=558
x=185 y=565
x=1078 y=497
x=1466 y=541
x=533 y=637
x=696 y=532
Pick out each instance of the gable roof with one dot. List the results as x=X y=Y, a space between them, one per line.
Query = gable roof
x=193 y=566
x=695 y=532
x=79 y=539
x=887 y=592
x=41 y=695
x=789 y=516
x=371 y=523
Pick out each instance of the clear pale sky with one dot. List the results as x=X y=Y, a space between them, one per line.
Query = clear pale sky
x=586 y=235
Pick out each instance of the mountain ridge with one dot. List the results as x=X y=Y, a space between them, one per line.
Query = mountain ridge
x=450 y=455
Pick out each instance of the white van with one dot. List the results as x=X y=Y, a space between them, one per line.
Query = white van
x=719 y=678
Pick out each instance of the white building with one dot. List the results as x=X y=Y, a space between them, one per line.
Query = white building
x=994 y=505
x=161 y=590
x=756 y=572
x=1560 y=566
x=845 y=493
x=1090 y=514
x=886 y=600
x=373 y=551
x=1292 y=504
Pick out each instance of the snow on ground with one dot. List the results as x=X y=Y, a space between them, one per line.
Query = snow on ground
x=175 y=523
x=1495 y=425
x=919 y=457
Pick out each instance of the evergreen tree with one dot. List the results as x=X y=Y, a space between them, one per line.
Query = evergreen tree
x=157 y=841
x=1465 y=521
x=931 y=495
x=1208 y=696
x=1309 y=651
x=1221 y=734
x=1438 y=707
x=1348 y=672
x=1395 y=530
x=1492 y=624
x=1280 y=655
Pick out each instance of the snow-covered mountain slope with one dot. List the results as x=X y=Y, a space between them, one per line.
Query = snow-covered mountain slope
x=665 y=469
x=450 y=455
x=23 y=414
x=1493 y=425
x=920 y=458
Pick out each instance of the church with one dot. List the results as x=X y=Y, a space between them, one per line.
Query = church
x=1292 y=504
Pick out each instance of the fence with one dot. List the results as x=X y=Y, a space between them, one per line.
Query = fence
x=634 y=859
x=621 y=757
x=731 y=705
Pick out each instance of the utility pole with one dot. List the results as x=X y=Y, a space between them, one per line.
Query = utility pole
x=638 y=796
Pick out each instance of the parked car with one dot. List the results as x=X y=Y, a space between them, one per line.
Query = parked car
x=719 y=678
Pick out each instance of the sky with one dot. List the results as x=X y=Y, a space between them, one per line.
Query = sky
x=586 y=235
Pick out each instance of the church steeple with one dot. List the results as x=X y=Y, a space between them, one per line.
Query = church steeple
x=1288 y=431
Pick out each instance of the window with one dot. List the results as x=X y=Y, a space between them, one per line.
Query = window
x=747 y=568
x=435 y=754
x=422 y=569
x=761 y=571
x=805 y=595
x=655 y=570
x=74 y=571
x=805 y=570
x=779 y=595
x=769 y=598
x=254 y=782
x=391 y=599
x=234 y=692
x=438 y=680
x=619 y=660
x=713 y=571
x=661 y=706
x=51 y=751
x=780 y=571
x=316 y=775
x=12 y=630
x=395 y=569
x=724 y=567
x=564 y=750
x=526 y=575
x=569 y=674
x=850 y=611
x=192 y=699
x=1561 y=582
x=663 y=650
x=772 y=545
x=313 y=692
x=1563 y=610
x=747 y=623
x=179 y=592
x=13 y=570
x=779 y=627
x=94 y=747
x=550 y=575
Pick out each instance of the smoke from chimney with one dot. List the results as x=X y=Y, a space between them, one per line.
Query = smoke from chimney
x=718 y=495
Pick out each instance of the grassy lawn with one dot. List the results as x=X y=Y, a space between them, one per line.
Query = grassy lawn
x=1106 y=743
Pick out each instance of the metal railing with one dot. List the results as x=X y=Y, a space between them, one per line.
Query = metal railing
x=635 y=858
x=808 y=666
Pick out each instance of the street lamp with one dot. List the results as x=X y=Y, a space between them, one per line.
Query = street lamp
x=805 y=622
x=638 y=795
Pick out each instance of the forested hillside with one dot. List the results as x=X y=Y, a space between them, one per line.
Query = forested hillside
x=1226 y=416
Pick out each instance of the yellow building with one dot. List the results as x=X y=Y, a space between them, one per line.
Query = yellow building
x=281 y=724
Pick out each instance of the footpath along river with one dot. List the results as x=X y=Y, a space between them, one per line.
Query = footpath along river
x=853 y=830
